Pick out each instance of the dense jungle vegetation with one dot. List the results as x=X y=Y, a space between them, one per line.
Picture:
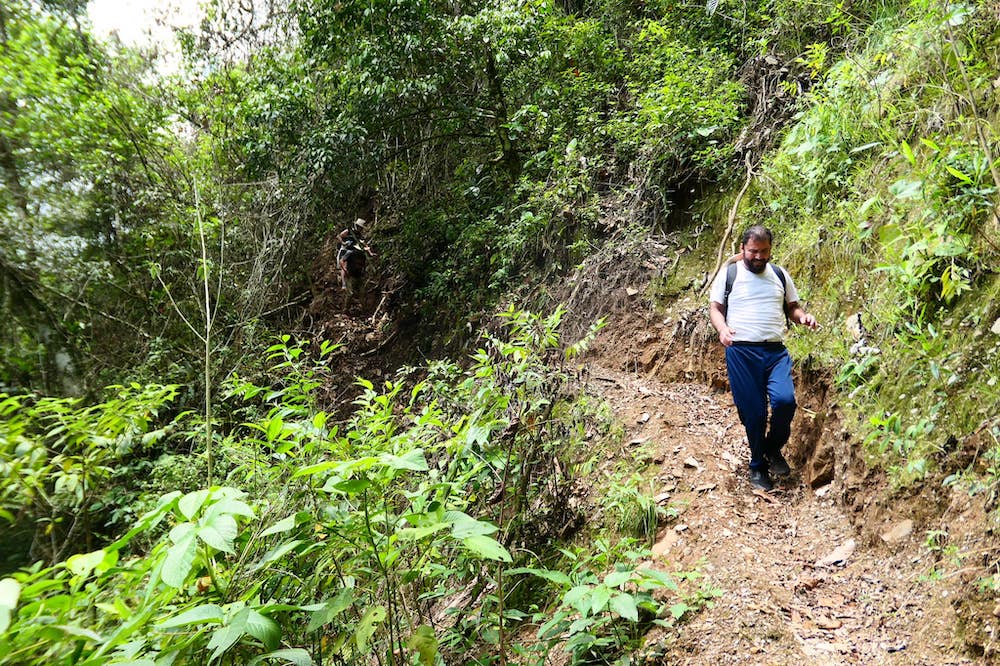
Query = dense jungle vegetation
x=183 y=480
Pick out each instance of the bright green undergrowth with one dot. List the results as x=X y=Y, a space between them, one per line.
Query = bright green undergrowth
x=882 y=196
x=430 y=527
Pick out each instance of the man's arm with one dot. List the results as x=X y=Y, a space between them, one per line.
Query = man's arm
x=717 y=313
x=797 y=314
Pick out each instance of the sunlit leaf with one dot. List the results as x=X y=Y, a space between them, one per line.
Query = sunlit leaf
x=624 y=605
x=220 y=533
x=487 y=547
x=617 y=578
x=366 y=627
x=296 y=656
x=226 y=636
x=263 y=629
x=10 y=592
x=204 y=614
x=180 y=558
x=425 y=644
x=330 y=609
x=557 y=577
x=192 y=502
x=412 y=460
x=283 y=525
x=599 y=598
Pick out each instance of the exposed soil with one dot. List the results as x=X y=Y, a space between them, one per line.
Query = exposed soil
x=829 y=568
x=799 y=585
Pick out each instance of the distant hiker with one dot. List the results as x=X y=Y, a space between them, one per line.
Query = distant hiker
x=750 y=305
x=352 y=257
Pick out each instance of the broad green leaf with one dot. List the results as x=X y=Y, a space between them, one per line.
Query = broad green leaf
x=678 y=610
x=600 y=598
x=317 y=468
x=463 y=525
x=226 y=636
x=191 y=503
x=904 y=147
x=79 y=632
x=264 y=629
x=557 y=577
x=412 y=460
x=617 y=578
x=487 y=547
x=625 y=606
x=656 y=579
x=425 y=644
x=82 y=564
x=907 y=189
x=579 y=598
x=296 y=656
x=179 y=560
x=274 y=427
x=219 y=534
x=414 y=533
x=277 y=553
x=958 y=174
x=348 y=486
x=366 y=627
x=204 y=614
x=930 y=144
x=477 y=434
x=281 y=526
x=227 y=506
x=10 y=592
x=330 y=609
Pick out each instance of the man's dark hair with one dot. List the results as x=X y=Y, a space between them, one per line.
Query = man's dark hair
x=758 y=232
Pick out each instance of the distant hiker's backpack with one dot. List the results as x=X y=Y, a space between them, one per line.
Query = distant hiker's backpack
x=354 y=258
x=731 y=277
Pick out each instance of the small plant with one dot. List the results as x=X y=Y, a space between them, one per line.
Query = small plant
x=599 y=615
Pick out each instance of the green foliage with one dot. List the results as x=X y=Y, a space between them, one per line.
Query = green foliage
x=61 y=459
x=599 y=616
x=325 y=536
x=687 y=105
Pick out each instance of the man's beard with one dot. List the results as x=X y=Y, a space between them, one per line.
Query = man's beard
x=755 y=265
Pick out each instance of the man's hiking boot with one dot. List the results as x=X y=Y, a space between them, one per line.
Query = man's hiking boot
x=778 y=465
x=760 y=480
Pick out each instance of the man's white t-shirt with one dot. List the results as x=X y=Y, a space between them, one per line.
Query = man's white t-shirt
x=755 y=310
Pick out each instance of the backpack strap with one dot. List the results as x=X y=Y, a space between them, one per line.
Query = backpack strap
x=784 y=288
x=731 y=278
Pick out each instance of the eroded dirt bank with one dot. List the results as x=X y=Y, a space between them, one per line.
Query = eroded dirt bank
x=829 y=568
x=800 y=584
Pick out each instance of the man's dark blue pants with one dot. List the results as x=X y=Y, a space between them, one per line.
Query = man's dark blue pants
x=759 y=374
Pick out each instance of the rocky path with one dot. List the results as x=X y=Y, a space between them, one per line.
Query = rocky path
x=797 y=586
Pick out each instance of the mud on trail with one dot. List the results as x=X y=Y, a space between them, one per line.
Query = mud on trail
x=799 y=585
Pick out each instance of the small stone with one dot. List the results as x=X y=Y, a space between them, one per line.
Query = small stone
x=680 y=528
x=898 y=532
x=644 y=418
x=662 y=546
x=996 y=326
x=693 y=463
x=839 y=555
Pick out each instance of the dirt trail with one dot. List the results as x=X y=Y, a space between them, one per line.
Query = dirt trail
x=798 y=586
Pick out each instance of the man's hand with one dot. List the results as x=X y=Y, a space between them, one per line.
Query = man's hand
x=808 y=321
x=726 y=335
